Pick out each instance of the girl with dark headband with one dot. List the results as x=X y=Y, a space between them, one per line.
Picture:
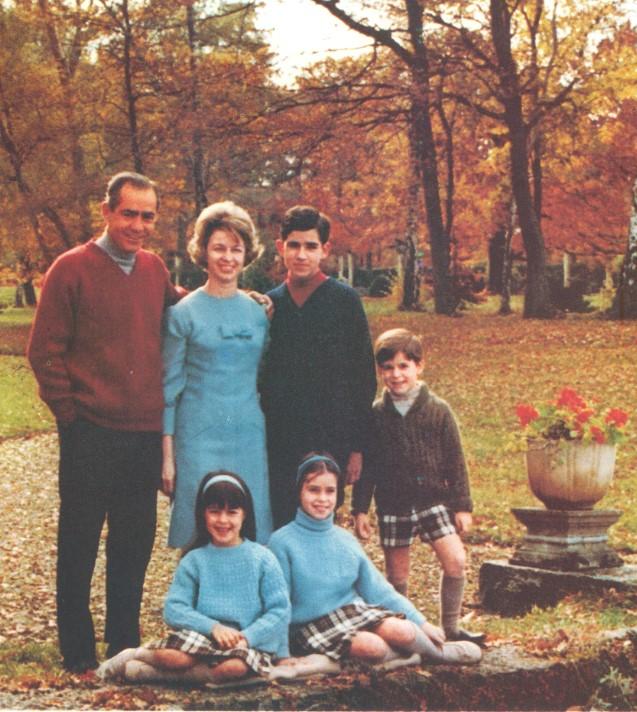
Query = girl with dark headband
x=228 y=603
x=342 y=606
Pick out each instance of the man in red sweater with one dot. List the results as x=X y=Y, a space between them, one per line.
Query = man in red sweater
x=95 y=349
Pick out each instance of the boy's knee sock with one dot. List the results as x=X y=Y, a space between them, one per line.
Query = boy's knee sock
x=451 y=592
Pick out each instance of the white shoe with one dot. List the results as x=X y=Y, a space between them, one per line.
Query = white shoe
x=305 y=666
x=461 y=652
x=114 y=667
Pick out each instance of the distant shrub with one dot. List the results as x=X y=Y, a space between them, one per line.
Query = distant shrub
x=583 y=281
x=468 y=285
x=382 y=282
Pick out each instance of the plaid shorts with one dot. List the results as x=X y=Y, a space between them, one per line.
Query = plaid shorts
x=193 y=643
x=332 y=633
x=430 y=524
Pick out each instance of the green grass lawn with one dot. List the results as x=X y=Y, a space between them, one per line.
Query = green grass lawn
x=482 y=364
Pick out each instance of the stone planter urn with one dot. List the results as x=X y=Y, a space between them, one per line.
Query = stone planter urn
x=569 y=475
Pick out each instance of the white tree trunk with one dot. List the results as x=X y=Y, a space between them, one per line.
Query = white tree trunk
x=350 y=269
x=566 y=267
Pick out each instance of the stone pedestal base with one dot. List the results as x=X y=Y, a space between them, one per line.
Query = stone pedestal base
x=513 y=590
x=566 y=540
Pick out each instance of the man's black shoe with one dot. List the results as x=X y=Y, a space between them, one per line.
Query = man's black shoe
x=79 y=667
x=461 y=634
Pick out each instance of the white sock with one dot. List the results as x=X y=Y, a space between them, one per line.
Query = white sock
x=139 y=671
x=425 y=647
x=396 y=661
x=114 y=667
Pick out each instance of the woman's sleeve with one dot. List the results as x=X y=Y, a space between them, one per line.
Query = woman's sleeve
x=273 y=624
x=174 y=356
x=179 y=607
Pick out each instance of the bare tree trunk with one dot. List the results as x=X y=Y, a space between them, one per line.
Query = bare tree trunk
x=199 y=184
x=428 y=166
x=537 y=302
x=625 y=302
x=507 y=262
x=407 y=247
x=129 y=89
x=415 y=59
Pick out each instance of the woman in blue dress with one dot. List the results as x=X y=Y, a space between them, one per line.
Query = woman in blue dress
x=213 y=342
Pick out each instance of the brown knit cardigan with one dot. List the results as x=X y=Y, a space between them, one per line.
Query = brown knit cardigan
x=414 y=461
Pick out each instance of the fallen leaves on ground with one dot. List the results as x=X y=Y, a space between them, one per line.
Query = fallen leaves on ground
x=482 y=366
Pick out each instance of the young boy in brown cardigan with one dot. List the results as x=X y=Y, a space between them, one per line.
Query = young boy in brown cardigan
x=417 y=473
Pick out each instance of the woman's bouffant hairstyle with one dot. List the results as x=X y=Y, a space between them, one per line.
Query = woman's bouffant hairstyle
x=223 y=216
x=315 y=463
x=394 y=341
x=224 y=489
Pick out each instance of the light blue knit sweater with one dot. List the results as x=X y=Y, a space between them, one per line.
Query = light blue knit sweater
x=240 y=586
x=326 y=568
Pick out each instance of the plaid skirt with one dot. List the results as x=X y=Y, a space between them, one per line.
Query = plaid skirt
x=193 y=643
x=332 y=633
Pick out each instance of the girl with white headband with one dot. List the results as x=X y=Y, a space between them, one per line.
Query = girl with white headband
x=228 y=603
x=342 y=606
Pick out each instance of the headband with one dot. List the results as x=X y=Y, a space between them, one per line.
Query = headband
x=302 y=470
x=223 y=478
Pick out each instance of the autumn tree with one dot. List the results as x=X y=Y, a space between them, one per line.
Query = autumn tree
x=29 y=127
x=412 y=53
x=530 y=67
x=67 y=35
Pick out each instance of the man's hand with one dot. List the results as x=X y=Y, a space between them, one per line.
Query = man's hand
x=362 y=527
x=354 y=467
x=463 y=522
x=227 y=637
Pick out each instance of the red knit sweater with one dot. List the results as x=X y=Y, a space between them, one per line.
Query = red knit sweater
x=95 y=345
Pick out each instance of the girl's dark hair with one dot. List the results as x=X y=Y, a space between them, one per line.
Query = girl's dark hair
x=315 y=462
x=224 y=494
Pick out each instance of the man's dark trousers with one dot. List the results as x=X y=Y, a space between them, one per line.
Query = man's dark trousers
x=105 y=475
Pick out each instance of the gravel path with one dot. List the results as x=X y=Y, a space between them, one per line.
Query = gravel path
x=28 y=518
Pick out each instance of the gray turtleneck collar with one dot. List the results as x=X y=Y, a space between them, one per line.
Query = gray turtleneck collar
x=126 y=260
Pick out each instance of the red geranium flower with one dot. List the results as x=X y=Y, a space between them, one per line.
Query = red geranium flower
x=598 y=435
x=571 y=399
x=526 y=414
x=583 y=416
x=617 y=417
x=569 y=417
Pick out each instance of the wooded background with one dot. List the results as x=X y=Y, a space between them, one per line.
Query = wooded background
x=468 y=138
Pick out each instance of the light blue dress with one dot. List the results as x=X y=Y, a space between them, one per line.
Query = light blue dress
x=212 y=349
